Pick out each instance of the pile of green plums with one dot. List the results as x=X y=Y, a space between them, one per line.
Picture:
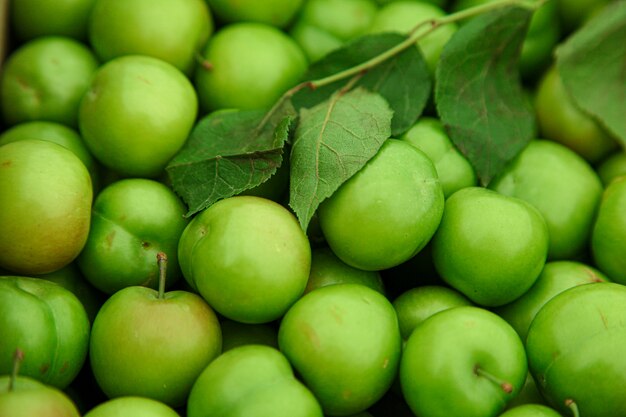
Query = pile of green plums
x=415 y=291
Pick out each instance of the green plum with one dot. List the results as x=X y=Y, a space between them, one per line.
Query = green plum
x=555 y=278
x=453 y=169
x=48 y=323
x=562 y=186
x=247 y=256
x=608 y=239
x=45 y=206
x=249 y=66
x=277 y=13
x=136 y=114
x=57 y=133
x=152 y=343
x=171 y=30
x=35 y=18
x=328 y=269
x=416 y=305
x=345 y=343
x=251 y=381
x=489 y=246
x=132 y=220
x=26 y=397
x=403 y=16
x=612 y=167
x=385 y=213
x=131 y=406
x=560 y=120
x=575 y=350
x=325 y=25
x=531 y=410
x=236 y=334
x=465 y=362
x=45 y=79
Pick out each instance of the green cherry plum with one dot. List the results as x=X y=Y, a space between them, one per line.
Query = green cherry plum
x=46 y=322
x=462 y=362
x=454 y=171
x=345 y=343
x=612 y=167
x=132 y=406
x=555 y=278
x=414 y=306
x=490 y=247
x=561 y=121
x=132 y=220
x=251 y=381
x=152 y=343
x=45 y=79
x=248 y=66
x=277 y=13
x=325 y=25
x=608 y=239
x=328 y=269
x=402 y=16
x=385 y=213
x=45 y=206
x=531 y=410
x=562 y=186
x=171 y=30
x=35 y=18
x=247 y=256
x=136 y=114
x=575 y=350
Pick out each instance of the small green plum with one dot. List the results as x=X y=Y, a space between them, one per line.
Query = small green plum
x=132 y=406
x=35 y=18
x=277 y=13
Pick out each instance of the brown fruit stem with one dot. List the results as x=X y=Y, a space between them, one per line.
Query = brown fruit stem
x=571 y=404
x=18 y=358
x=162 y=261
x=507 y=387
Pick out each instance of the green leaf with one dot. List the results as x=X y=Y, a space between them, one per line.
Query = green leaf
x=478 y=93
x=333 y=141
x=592 y=64
x=403 y=80
x=229 y=152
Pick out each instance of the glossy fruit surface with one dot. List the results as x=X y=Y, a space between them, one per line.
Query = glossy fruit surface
x=46 y=322
x=45 y=206
x=345 y=343
x=131 y=406
x=247 y=256
x=385 y=213
x=30 y=398
x=489 y=246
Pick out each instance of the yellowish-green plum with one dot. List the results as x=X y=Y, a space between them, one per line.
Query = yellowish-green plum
x=45 y=206
x=132 y=406
x=612 y=167
x=26 y=397
x=385 y=213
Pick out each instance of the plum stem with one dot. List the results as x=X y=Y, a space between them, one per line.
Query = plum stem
x=507 y=387
x=571 y=404
x=18 y=358
x=162 y=261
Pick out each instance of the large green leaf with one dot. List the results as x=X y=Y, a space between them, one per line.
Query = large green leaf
x=478 y=93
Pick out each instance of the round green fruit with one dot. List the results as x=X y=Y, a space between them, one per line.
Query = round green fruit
x=345 y=343
x=131 y=406
x=562 y=186
x=247 y=256
x=612 y=167
x=45 y=79
x=171 y=30
x=465 y=362
x=385 y=213
x=29 y=398
x=277 y=13
x=608 y=239
x=35 y=18
x=251 y=381
x=249 y=66
x=137 y=114
x=132 y=220
x=575 y=346
x=45 y=206
x=489 y=246
x=46 y=322
x=531 y=410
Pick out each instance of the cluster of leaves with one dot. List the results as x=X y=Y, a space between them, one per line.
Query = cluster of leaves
x=330 y=125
